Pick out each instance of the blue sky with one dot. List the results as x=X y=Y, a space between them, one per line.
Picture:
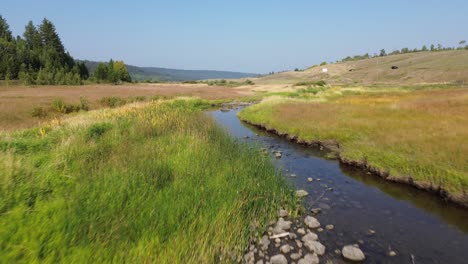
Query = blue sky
x=249 y=36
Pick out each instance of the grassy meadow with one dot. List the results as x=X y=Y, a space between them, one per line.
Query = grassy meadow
x=408 y=132
x=145 y=182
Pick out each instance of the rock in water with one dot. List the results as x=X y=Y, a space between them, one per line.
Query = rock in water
x=278 y=155
x=311 y=222
x=301 y=193
x=353 y=253
x=279 y=259
x=309 y=259
x=315 y=247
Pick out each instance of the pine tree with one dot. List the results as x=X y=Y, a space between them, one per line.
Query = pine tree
x=100 y=73
x=382 y=53
x=424 y=48
x=5 y=32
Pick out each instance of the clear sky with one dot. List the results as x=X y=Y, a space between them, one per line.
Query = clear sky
x=250 y=36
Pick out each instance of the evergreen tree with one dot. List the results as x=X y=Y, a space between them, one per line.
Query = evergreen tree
x=432 y=47
x=5 y=32
x=100 y=73
x=382 y=53
x=424 y=48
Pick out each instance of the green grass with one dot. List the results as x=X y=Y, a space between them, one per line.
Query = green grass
x=419 y=134
x=149 y=182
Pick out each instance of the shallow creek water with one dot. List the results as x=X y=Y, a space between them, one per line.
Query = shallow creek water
x=418 y=226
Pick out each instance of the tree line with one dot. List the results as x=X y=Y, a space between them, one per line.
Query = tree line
x=432 y=47
x=39 y=57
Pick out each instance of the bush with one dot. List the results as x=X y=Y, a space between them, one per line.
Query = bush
x=320 y=83
x=249 y=82
x=39 y=112
x=97 y=130
x=190 y=82
x=84 y=104
x=112 y=101
x=59 y=105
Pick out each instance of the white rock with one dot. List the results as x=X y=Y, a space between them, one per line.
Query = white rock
x=353 y=253
x=329 y=227
x=301 y=231
x=311 y=222
x=309 y=259
x=285 y=249
x=315 y=247
x=249 y=257
x=283 y=213
x=310 y=179
x=301 y=193
x=309 y=237
x=295 y=256
x=264 y=242
x=278 y=259
x=299 y=244
x=281 y=226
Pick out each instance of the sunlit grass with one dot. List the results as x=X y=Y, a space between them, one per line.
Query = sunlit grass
x=419 y=134
x=148 y=182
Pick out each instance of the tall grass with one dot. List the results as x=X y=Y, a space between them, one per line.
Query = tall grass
x=421 y=134
x=156 y=182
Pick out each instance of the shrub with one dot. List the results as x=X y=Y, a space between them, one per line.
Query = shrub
x=59 y=105
x=84 y=104
x=320 y=83
x=39 y=112
x=249 y=82
x=190 y=82
x=97 y=130
x=112 y=101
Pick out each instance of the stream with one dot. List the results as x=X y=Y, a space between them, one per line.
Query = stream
x=378 y=215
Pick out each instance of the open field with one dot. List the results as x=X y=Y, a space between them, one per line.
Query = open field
x=415 y=136
x=18 y=102
x=141 y=183
x=414 y=68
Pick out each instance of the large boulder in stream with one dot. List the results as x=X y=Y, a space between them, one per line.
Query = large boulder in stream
x=353 y=253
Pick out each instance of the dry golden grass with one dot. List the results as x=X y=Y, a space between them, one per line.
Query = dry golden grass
x=414 y=68
x=422 y=134
x=18 y=102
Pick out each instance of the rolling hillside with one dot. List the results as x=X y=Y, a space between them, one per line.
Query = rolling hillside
x=413 y=68
x=163 y=74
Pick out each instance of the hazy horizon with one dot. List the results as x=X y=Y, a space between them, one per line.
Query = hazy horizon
x=240 y=36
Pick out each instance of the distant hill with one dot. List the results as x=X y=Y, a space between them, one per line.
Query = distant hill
x=413 y=68
x=163 y=74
